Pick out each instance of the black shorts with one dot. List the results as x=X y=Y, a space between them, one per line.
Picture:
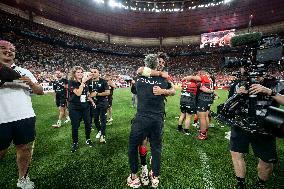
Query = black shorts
x=109 y=99
x=20 y=132
x=263 y=146
x=61 y=102
x=190 y=109
x=203 y=105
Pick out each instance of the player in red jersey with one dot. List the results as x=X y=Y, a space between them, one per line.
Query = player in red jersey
x=204 y=101
x=187 y=104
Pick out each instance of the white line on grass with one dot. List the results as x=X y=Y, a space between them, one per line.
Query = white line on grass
x=205 y=170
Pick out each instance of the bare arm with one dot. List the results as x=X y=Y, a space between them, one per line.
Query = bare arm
x=206 y=90
x=79 y=91
x=153 y=73
x=112 y=84
x=257 y=88
x=279 y=98
x=36 y=88
x=191 y=77
x=91 y=100
x=167 y=92
x=105 y=93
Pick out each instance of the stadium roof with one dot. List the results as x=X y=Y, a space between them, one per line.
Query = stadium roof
x=206 y=16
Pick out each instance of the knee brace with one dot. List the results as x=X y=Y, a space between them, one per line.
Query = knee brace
x=143 y=150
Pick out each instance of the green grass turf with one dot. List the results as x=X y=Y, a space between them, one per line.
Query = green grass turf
x=106 y=165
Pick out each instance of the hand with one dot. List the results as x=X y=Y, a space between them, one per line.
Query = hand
x=242 y=90
x=85 y=79
x=257 y=88
x=96 y=93
x=164 y=75
x=27 y=81
x=94 y=105
x=140 y=71
x=187 y=78
x=158 y=91
x=216 y=95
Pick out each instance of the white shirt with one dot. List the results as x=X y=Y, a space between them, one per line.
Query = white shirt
x=15 y=99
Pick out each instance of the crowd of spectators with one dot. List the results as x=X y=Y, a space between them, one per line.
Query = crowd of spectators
x=44 y=57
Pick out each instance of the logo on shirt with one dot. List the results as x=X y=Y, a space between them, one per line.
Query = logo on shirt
x=148 y=81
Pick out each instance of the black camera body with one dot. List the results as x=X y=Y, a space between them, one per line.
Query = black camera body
x=7 y=74
x=254 y=113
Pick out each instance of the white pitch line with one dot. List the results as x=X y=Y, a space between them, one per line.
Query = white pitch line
x=205 y=170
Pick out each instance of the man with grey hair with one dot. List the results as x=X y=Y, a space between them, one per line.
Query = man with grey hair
x=149 y=120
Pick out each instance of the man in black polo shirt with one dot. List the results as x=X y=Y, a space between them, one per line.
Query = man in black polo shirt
x=99 y=90
x=149 y=120
x=60 y=97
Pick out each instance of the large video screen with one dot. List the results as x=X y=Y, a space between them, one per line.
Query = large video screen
x=216 y=39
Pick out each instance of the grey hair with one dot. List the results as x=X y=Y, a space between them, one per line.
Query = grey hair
x=151 y=61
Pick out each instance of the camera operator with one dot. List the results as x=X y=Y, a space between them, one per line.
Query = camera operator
x=264 y=146
x=17 y=117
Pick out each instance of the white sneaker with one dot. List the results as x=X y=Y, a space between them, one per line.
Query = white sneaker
x=133 y=183
x=67 y=119
x=99 y=135
x=144 y=176
x=196 y=125
x=228 y=135
x=25 y=183
x=102 y=139
x=110 y=120
x=154 y=180
x=58 y=124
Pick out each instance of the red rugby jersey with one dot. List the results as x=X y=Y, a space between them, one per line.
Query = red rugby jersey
x=189 y=86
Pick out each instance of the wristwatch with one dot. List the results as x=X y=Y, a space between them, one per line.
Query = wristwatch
x=273 y=93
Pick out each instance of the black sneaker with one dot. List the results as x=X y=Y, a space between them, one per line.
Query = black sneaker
x=186 y=132
x=180 y=129
x=89 y=143
x=74 y=147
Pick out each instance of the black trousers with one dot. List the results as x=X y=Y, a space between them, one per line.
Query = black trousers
x=100 y=116
x=142 y=127
x=76 y=115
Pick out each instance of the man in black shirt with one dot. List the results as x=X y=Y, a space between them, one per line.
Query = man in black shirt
x=263 y=146
x=60 y=97
x=149 y=120
x=99 y=90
